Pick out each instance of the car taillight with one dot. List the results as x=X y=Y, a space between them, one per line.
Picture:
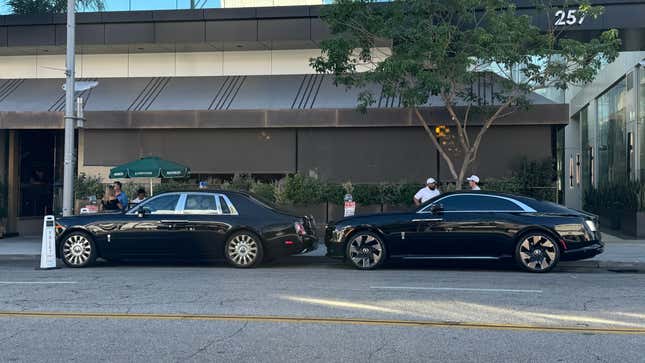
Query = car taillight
x=300 y=229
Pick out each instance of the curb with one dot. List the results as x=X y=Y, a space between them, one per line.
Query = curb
x=613 y=266
x=616 y=266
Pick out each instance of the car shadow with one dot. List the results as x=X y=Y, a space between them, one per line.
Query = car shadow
x=324 y=262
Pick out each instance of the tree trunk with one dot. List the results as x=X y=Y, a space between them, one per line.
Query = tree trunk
x=463 y=170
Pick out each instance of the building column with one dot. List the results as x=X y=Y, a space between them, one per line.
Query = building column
x=13 y=182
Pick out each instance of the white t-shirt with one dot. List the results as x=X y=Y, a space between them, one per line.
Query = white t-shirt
x=425 y=194
x=476 y=187
x=137 y=200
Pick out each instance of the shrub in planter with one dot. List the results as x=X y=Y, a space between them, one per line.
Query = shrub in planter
x=264 y=191
x=301 y=189
x=365 y=194
x=400 y=194
x=88 y=186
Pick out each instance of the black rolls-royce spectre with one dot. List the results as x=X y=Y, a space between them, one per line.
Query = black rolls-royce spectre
x=186 y=225
x=472 y=225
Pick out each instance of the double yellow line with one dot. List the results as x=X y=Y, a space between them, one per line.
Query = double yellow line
x=322 y=320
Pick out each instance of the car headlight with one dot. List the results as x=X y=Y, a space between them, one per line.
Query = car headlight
x=591 y=225
x=59 y=228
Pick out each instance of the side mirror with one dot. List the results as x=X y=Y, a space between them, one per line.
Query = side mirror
x=142 y=212
x=436 y=208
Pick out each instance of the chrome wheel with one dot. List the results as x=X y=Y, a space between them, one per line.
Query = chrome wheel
x=77 y=250
x=366 y=251
x=538 y=253
x=243 y=250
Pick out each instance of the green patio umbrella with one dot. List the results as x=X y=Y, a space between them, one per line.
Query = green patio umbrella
x=150 y=167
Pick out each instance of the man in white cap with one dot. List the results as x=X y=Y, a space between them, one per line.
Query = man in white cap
x=473 y=181
x=428 y=192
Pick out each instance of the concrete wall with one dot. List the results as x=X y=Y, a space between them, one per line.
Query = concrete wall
x=362 y=155
x=170 y=64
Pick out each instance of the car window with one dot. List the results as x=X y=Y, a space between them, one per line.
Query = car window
x=226 y=205
x=456 y=203
x=164 y=204
x=200 y=204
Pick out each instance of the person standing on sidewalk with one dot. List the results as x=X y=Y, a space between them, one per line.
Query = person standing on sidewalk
x=473 y=181
x=120 y=195
x=428 y=192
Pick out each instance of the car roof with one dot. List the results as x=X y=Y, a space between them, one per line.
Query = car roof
x=539 y=205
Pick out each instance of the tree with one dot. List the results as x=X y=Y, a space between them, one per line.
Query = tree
x=27 y=7
x=441 y=48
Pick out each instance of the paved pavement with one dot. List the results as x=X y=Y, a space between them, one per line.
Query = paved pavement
x=295 y=311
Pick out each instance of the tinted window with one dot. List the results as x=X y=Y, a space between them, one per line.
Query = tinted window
x=200 y=204
x=164 y=204
x=477 y=203
x=224 y=205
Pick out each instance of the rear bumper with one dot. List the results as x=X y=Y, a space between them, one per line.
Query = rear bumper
x=581 y=253
x=309 y=243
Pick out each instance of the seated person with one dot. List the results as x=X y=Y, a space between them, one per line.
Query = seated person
x=109 y=202
x=141 y=195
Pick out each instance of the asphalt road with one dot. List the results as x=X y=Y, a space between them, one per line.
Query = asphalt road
x=312 y=309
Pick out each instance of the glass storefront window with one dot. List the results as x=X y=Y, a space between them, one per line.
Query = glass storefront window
x=586 y=149
x=641 y=124
x=612 y=134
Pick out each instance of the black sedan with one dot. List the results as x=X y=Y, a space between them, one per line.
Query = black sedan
x=186 y=225
x=469 y=225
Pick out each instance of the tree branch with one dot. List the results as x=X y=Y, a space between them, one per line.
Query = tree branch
x=442 y=152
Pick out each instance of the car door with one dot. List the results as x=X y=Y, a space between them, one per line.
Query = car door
x=468 y=226
x=206 y=227
x=151 y=233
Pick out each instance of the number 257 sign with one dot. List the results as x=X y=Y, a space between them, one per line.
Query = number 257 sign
x=568 y=17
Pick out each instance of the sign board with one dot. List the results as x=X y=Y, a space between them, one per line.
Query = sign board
x=350 y=208
x=48 y=249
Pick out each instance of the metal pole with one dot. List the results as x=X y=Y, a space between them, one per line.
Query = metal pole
x=68 y=173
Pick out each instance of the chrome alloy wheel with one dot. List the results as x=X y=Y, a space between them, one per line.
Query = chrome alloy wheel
x=538 y=252
x=243 y=250
x=365 y=251
x=77 y=250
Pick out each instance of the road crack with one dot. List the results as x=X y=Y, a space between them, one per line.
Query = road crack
x=205 y=347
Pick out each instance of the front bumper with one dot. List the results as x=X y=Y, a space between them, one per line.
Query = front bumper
x=581 y=253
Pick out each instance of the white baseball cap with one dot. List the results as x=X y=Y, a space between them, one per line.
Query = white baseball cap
x=431 y=181
x=473 y=178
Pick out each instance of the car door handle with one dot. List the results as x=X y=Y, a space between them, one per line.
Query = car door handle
x=427 y=220
x=174 y=221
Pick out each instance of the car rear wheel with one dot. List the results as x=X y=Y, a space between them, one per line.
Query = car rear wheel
x=366 y=250
x=537 y=252
x=244 y=250
x=78 y=250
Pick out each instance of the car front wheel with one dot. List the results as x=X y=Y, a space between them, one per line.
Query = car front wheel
x=244 y=250
x=537 y=252
x=366 y=250
x=78 y=250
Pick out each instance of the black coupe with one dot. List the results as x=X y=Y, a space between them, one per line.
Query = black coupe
x=469 y=225
x=186 y=225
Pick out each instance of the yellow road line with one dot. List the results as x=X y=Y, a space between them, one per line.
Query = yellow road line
x=323 y=320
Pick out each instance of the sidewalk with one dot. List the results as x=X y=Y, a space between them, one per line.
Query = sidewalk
x=620 y=254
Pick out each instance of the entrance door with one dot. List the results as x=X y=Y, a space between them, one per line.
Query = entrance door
x=40 y=177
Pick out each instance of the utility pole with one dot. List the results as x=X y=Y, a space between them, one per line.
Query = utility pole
x=68 y=167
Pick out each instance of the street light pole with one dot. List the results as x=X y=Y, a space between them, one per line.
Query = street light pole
x=68 y=168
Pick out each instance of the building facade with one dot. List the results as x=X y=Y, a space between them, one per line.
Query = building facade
x=228 y=90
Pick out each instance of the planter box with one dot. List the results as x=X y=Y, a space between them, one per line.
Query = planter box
x=609 y=218
x=337 y=211
x=393 y=208
x=633 y=224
